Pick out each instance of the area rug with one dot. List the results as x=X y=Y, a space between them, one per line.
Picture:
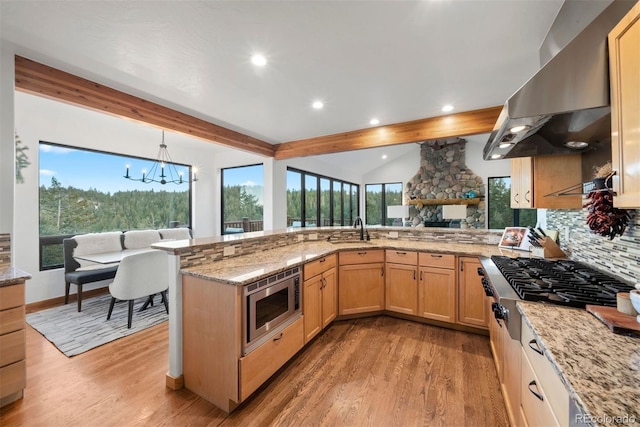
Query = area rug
x=74 y=333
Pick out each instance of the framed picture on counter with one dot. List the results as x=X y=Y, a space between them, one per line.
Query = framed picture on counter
x=515 y=238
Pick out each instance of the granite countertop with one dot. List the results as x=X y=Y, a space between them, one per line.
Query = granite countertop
x=249 y=268
x=11 y=276
x=600 y=369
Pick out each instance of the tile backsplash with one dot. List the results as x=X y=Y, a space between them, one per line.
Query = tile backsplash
x=5 y=250
x=620 y=256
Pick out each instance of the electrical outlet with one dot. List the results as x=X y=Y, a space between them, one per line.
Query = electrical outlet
x=313 y=236
x=393 y=234
x=300 y=237
x=228 y=250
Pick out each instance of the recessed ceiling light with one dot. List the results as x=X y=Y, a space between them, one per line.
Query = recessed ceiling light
x=374 y=122
x=520 y=128
x=576 y=144
x=447 y=108
x=505 y=145
x=384 y=156
x=496 y=156
x=259 y=60
x=317 y=105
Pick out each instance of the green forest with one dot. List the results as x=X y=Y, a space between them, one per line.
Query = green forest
x=500 y=213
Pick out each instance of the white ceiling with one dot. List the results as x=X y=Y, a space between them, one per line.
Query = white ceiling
x=395 y=60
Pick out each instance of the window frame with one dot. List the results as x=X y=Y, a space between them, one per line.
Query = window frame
x=516 y=212
x=222 y=221
x=383 y=221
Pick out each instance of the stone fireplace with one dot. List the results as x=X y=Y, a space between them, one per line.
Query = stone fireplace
x=444 y=176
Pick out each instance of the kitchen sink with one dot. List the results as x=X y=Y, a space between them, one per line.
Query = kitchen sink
x=357 y=242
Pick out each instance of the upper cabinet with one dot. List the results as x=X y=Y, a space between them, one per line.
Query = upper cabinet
x=536 y=181
x=624 y=63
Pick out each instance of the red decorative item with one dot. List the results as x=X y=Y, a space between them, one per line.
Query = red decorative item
x=603 y=218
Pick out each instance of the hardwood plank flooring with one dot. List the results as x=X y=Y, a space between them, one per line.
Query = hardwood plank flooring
x=377 y=371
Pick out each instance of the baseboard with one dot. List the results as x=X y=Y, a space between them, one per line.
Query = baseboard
x=175 y=383
x=58 y=301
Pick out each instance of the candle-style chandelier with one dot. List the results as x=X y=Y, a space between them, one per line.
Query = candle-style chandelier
x=166 y=168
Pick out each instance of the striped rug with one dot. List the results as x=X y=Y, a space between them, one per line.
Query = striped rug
x=74 y=333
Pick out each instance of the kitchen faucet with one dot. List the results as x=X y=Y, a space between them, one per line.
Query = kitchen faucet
x=358 y=222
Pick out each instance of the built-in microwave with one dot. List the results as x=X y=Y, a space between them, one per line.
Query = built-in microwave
x=268 y=306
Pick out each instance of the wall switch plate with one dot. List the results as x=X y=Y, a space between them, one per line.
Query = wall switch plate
x=228 y=250
x=393 y=234
x=300 y=237
x=313 y=236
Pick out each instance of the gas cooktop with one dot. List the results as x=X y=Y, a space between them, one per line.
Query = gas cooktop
x=561 y=282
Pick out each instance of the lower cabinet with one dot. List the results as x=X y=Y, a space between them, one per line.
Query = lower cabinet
x=320 y=297
x=13 y=374
x=472 y=309
x=401 y=282
x=361 y=282
x=437 y=296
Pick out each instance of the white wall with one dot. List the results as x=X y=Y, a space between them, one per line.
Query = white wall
x=7 y=144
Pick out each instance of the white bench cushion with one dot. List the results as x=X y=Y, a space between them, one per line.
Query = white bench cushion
x=95 y=243
x=137 y=239
x=175 y=233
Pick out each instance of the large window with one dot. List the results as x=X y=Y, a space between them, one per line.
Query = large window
x=242 y=199
x=377 y=198
x=501 y=214
x=84 y=191
x=320 y=200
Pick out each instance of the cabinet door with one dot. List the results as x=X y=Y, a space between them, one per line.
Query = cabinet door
x=361 y=288
x=521 y=182
x=624 y=62
x=329 y=297
x=402 y=288
x=553 y=174
x=437 y=294
x=312 y=307
x=472 y=309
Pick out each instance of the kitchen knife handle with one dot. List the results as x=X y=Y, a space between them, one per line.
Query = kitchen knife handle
x=542 y=232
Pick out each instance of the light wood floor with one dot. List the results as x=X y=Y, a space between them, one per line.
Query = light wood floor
x=376 y=371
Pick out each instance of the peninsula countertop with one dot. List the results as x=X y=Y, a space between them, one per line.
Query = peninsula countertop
x=245 y=269
x=600 y=369
x=12 y=275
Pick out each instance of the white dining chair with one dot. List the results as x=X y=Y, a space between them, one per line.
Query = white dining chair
x=140 y=275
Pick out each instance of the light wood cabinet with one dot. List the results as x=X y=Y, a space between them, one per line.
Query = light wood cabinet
x=534 y=180
x=401 y=282
x=624 y=63
x=13 y=375
x=320 y=298
x=361 y=282
x=472 y=309
x=437 y=288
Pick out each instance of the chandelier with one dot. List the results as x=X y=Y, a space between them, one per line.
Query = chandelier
x=165 y=167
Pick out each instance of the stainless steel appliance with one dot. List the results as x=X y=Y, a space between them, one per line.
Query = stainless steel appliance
x=565 y=282
x=268 y=306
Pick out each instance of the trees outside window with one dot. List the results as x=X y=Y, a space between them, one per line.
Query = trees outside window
x=84 y=191
x=320 y=200
x=501 y=214
x=377 y=198
x=242 y=199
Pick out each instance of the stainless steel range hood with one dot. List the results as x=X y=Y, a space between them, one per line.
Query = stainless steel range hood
x=564 y=107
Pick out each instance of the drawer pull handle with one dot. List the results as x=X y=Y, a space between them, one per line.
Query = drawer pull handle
x=536 y=394
x=536 y=348
x=401 y=253
x=278 y=338
x=362 y=253
x=436 y=256
x=323 y=260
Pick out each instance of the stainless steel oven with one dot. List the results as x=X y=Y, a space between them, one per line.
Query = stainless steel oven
x=268 y=306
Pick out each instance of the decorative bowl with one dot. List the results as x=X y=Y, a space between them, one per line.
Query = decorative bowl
x=635 y=301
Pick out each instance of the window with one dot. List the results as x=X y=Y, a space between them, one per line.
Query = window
x=320 y=200
x=377 y=198
x=84 y=191
x=242 y=199
x=501 y=214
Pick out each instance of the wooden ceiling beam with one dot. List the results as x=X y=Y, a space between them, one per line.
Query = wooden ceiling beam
x=459 y=124
x=33 y=77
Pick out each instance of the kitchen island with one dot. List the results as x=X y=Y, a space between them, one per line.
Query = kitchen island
x=600 y=369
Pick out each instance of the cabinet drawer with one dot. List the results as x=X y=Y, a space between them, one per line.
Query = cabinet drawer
x=316 y=267
x=11 y=296
x=536 y=410
x=361 y=256
x=12 y=347
x=547 y=376
x=402 y=257
x=11 y=320
x=437 y=260
x=264 y=361
x=13 y=378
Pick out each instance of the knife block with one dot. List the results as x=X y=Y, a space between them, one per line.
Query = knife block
x=548 y=249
